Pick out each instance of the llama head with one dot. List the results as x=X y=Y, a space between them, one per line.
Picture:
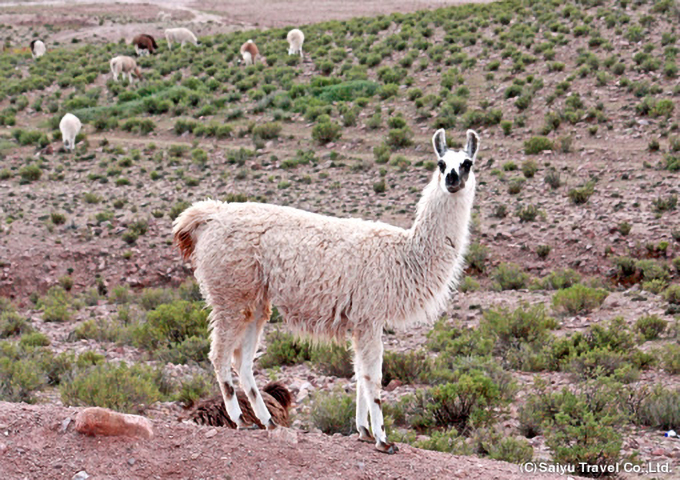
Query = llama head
x=454 y=165
x=138 y=73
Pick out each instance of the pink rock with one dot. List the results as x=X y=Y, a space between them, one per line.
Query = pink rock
x=659 y=452
x=394 y=383
x=102 y=421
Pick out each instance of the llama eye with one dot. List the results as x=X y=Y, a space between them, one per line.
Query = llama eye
x=441 y=165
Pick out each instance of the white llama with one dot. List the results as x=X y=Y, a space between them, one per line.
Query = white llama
x=180 y=35
x=125 y=65
x=70 y=127
x=295 y=40
x=37 y=49
x=328 y=277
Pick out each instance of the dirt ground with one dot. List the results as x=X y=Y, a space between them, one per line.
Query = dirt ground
x=39 y=442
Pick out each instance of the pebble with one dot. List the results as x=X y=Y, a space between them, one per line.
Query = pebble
x=211 y=433
x=82 y=475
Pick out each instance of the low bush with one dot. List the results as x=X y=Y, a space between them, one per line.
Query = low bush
x=510 y=276
x=537 y=145
x=333 y=412
x=119 y=387
x=578 y=299
x=333 y=359
x=650 y=326
x=284 y=349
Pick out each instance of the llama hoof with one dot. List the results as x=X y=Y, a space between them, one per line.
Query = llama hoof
x=365 y=436
x=271 y=425
x=388 y=448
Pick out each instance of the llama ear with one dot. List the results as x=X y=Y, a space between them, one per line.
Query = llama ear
x=472 y=144
x=439 y=143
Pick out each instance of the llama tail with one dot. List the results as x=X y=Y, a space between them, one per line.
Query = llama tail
x=185 y=226
x=280 y=393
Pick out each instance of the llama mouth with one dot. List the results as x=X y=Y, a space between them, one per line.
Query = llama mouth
x=455 y=188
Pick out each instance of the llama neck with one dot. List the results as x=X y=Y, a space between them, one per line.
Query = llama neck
x=440 y=231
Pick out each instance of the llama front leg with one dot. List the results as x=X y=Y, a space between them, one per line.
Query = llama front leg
x=369 y=353
x=223 y=344
x=244 y=363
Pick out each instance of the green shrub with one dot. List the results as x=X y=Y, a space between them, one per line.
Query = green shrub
x=34 y=339
x=455 y=341
x=537 y=145
x=399 y=137
x=19 y=379
x=284 y=349
x=672 y=294
x=578 y=299
x=171 y=324
x=192 y=390
x=529 y=168
x=30 y=173
x=11 y=324
x=476 y=257
x=581 y=195
x=406 y=367
x=560 y=279
x=119 y=387
x=267 y=131
x=333 y=412
x=523 y=325
x=448 y=441
x=510 y=276
x=333 y=360
x=56 y=305
x=469 y=403
x=650 y=326
x=661 y=409
x=497 y=446
x=326 y=132
x=671 y=359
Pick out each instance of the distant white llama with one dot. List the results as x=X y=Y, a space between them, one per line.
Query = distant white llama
x=295 y=40
x=180 y=35
x=126 y=66
x=70 y=127
x=328 y=277
x=38 y=48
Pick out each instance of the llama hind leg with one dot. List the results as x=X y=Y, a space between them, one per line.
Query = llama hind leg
x=244 y=363
x=362 y=401
x=225 y=337
x=369 y=354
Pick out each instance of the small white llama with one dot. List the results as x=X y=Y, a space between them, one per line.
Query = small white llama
x=38 y=49
x=328 y=277
x=70 y=127
x=126 y=66
x=180 y=35
x=295 y=40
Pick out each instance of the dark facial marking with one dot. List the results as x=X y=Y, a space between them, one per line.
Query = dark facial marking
x=377 y=402
x=465 y=168
x=441 y=165
x=229 y=390
x=253 y=393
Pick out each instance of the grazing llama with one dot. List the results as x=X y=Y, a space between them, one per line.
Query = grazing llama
x=211 y=411
x=180 y=35
x=295 y=40
x=70 y=127
x=249 y=52
x=126 y=66
x=328 y=277
x=144 y=44
x=38 y=49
